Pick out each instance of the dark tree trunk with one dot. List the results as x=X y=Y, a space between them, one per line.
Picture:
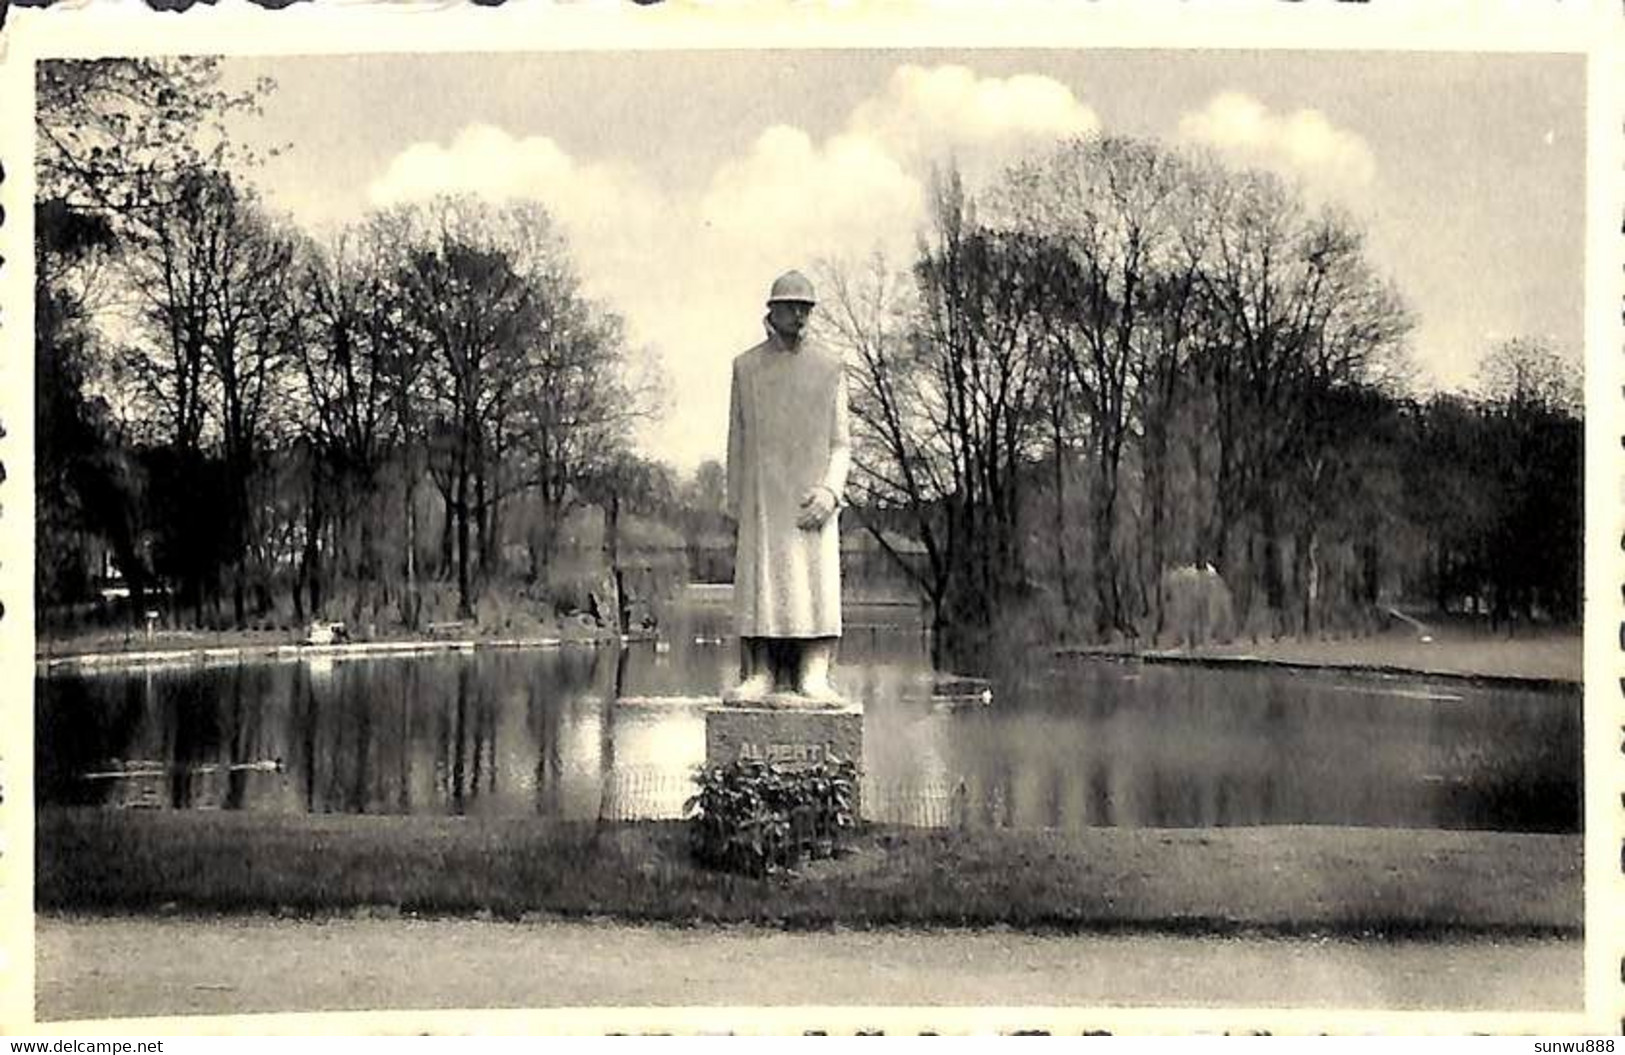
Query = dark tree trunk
x=1108 y=598
x=1155 y=485
x=1061 y=568
x=483 y=513
x=411 y=603
x=365 y=572
x=1274 y=582
x=612 y=557
x=1441 y=588
x=1308 y=555
x=465 y=600
x=448 y=532
x=310 y=558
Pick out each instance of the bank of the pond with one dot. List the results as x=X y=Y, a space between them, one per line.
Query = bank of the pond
x=1289 y=880
x=1544 y=661
x=237 y=646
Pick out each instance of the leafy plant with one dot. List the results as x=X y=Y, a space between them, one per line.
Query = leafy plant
x=754 y=817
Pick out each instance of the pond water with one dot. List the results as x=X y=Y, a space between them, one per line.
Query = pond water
x=604 y=731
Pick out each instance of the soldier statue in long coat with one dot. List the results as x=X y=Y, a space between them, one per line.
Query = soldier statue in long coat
x=788 y=458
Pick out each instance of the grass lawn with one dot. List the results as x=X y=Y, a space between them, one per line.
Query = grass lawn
x=1278 y=879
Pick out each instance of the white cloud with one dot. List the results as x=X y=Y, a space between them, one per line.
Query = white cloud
x=489 y=161
x=866 y=185
x=619 y=228
x=1303 y=145
x=791 y=196
x=949 y=108
x=596 y=204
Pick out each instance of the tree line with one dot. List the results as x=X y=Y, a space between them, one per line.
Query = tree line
x=224 y=397
x=1120 y=374
x=1123 y=372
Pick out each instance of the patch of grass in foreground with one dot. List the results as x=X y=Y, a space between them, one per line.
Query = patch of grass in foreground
x=1291 y=880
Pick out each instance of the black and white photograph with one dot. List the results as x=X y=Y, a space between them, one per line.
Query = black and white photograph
x=824 y=523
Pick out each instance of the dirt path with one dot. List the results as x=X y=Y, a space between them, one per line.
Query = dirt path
x=92 y=967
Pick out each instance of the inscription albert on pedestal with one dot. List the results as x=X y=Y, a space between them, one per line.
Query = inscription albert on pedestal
x=789 y=739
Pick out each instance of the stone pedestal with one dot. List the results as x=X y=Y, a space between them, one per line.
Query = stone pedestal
x=785 y=737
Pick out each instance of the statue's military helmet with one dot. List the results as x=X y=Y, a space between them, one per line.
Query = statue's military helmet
x=792 y=286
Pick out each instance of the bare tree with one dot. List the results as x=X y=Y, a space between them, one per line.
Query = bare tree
x=213 y=332
x=867 y=316
x=1108 y=205
x=580 y=402
x=252 y=345
x=529 y=385
x=116 y=138
x=1528 y=372
x=351 y=357
x=115 y=141
x=475 y=310
x=623 y=482
x=1530 y=409
x=1290 y=306
x=944 y=401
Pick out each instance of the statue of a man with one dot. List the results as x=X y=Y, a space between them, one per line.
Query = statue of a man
x=788 y=458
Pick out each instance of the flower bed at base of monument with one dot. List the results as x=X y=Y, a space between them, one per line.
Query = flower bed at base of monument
x=1281 y=879
x=754 y=817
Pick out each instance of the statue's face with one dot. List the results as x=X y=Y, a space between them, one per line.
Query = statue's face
x=789 y=317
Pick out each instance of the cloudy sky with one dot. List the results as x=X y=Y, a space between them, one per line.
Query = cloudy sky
x=686 y=180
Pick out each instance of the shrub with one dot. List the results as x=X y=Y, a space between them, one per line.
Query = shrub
x=1197 y=607
x=569 y=589
x=753 y=817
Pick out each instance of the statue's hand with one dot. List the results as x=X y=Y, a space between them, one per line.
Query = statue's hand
x=817 y=506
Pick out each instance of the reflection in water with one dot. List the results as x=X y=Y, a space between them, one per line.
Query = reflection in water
x=1065 y=744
